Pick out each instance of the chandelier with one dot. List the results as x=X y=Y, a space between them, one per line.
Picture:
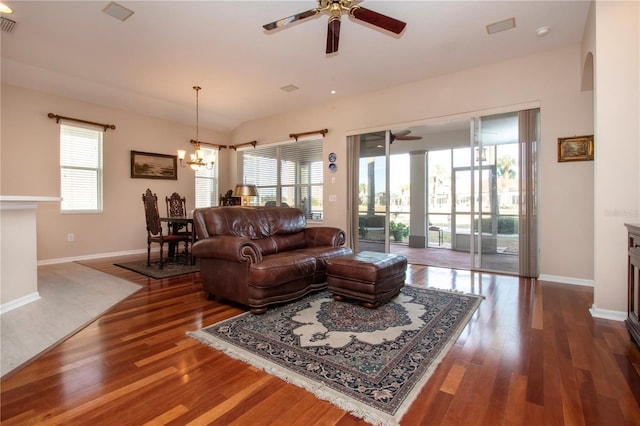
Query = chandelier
x=196 y=160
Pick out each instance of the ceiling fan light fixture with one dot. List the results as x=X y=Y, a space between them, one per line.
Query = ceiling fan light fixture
x=335 y=8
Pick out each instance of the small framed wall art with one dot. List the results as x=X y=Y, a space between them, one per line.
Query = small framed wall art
x=576 y=148
x=332 y=162
x=147 y=165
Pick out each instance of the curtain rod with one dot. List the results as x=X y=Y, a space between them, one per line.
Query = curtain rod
x=252 y=143
x=60 y=117
x=215 y=145
x=297 y=135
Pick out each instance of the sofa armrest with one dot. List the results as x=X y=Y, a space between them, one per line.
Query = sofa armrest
x=324 y=236
x=228 y=247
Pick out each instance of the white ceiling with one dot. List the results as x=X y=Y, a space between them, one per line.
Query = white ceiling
x=149 y=63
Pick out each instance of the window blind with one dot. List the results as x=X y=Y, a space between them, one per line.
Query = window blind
x=207 y=182
x=289 y=174
x=80 y=169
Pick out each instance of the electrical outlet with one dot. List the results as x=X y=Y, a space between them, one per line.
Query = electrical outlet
x=332 y=198
x=71 y=237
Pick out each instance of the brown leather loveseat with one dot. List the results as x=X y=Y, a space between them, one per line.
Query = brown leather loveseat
x=258 y=256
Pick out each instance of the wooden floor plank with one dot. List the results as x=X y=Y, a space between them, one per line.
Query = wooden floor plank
x=532 y=354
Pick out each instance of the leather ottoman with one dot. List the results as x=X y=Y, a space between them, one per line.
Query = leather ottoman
x=369 y=277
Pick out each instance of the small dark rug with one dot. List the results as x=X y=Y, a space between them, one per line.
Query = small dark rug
x=370 y=362
x=169 y=269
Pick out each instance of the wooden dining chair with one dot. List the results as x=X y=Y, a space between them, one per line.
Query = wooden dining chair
x=177 y=207
x=154 y=228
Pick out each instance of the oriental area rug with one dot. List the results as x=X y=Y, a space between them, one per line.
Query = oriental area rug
x=369 y=362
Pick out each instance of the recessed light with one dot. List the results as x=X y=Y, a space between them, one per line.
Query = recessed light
x=543 y=31
x=5 y=9
x=333 y=92
x=117 y=11
x=496 y=27
x=289 y=88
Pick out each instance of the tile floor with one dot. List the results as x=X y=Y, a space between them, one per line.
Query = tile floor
x=72 y=295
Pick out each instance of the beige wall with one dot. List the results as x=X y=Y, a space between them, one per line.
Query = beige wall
x=550 y=80
x=617 y=133
x=583 y=206
x=30 y=166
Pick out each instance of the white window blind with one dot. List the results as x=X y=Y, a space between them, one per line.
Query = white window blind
x=207 y=182
x=80 y=169
x=290 y=174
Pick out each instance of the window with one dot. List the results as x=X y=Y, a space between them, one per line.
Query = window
x=207 y=182
x=288 y=175
x=80 y=169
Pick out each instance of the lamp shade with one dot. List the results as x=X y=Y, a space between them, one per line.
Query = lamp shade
x=245 y=191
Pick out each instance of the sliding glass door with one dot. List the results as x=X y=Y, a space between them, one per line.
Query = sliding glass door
x=469 y=194
x=372 y=192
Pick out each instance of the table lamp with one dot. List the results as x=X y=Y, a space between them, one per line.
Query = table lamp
x=245 y=191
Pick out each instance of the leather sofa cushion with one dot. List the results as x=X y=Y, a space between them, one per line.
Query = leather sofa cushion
x=282 y=268
x=285 y=220
x=273 y=230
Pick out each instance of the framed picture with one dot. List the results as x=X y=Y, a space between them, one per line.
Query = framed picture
x=147 y=165
x=576 y=148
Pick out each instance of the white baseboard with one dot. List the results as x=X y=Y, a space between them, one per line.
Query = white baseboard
x=21 y=301
x=92 y=256
x=607 y=314
x=566 y=280
x=595 y=312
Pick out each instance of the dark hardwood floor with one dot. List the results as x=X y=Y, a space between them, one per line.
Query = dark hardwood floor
x=531 y=355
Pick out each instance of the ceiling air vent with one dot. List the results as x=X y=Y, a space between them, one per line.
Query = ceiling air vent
x=118 y=11
x=496 y=27
x=6 y=24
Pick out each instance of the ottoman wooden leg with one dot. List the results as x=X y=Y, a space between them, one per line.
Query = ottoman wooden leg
x=370 y=305
x=338 y=298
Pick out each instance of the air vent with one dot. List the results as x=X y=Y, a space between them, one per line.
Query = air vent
x=117 y=11
x=6 y=24
x=289 y=88
x=496 y=27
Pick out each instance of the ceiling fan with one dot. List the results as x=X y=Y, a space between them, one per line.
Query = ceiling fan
x=335 y=9
x=403 y=135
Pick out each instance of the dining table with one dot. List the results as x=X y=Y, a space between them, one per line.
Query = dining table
x=172 y=221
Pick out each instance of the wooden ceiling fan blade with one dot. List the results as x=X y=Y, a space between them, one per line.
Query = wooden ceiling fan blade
x=377 y=19
x=333 y=35
x=403 y=135
x=290 y=19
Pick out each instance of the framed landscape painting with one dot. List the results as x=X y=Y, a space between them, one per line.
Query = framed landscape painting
x=147 y=165
x=577 y=148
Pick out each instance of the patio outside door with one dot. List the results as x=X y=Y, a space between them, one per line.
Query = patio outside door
x=484 y=213
x=372 y=193
x=471 y=189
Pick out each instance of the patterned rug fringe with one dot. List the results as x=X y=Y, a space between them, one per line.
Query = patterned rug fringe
x=359 y=409
x=362 y=411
